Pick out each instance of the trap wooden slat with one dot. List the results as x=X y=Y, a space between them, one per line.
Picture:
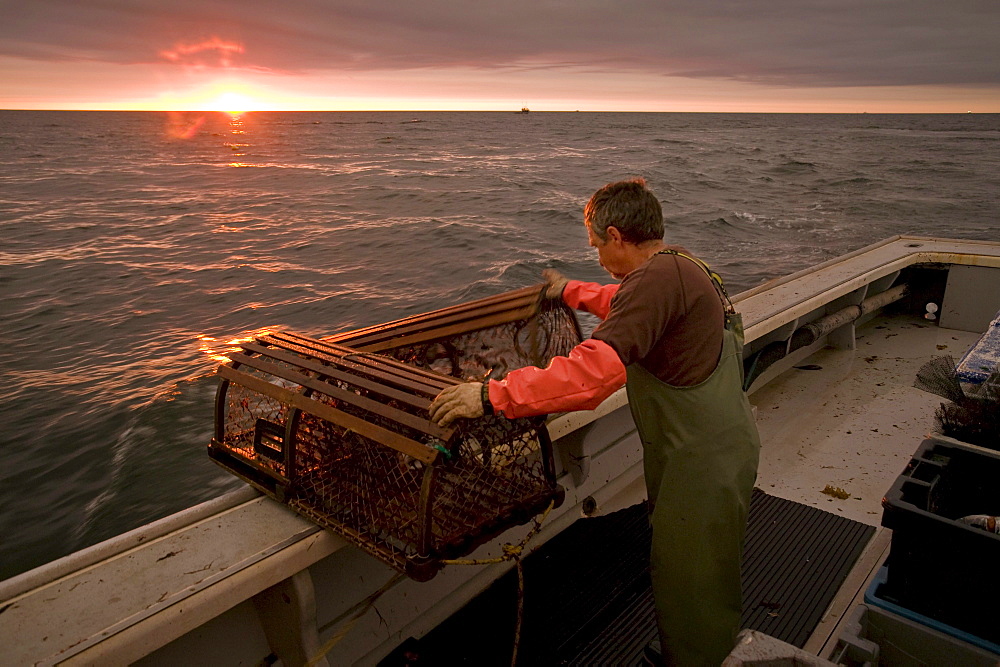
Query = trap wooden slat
x=386 y=437
x=378 y=369
x=515 y=298
x=375 y=383
x=473 y=316
x=433 y=379
x=289 y=340
x=423 y=425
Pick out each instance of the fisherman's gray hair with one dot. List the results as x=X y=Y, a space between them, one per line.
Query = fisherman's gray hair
x=628 y=206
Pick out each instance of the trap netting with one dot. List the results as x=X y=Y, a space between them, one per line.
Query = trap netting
x=479 y=340
x=972 y=413
x=342 y=436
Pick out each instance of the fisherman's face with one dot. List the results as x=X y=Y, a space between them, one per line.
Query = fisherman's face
x=610 y=253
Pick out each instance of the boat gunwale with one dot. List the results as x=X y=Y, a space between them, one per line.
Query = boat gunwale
x=53 y=571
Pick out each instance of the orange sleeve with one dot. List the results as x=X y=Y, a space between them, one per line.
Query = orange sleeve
x=580 y=381
x=590 y=297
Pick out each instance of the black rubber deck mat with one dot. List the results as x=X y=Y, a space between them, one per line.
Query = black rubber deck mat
x=588 y=599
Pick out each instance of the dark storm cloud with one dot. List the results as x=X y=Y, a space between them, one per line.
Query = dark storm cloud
x=790 y=42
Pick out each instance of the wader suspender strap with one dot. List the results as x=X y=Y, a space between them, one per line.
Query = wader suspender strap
x=727 y=303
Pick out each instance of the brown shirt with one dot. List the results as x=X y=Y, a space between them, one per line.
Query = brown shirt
x=668 y=318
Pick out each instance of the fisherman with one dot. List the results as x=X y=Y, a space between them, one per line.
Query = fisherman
x=670 y=335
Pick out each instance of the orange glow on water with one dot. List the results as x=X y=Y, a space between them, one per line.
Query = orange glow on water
x=183 y=126
x=238 y=144
x=218 y=351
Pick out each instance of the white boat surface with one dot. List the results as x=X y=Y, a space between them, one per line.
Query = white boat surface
x=244 y=580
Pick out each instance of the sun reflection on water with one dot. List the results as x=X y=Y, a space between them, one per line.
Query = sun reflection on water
x=236 y=138
x=218 y=350
x=237 y=142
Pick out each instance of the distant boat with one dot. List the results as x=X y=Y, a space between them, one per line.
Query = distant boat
x=525 y=109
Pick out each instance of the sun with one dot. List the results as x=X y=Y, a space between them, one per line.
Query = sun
x=228 y=96
x=232 y=102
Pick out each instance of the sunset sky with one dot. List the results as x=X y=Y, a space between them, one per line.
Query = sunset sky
x=549 y=55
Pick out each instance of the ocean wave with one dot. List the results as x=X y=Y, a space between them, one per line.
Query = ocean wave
x=794 y=167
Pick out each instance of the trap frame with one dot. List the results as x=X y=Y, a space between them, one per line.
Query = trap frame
x=341 y=434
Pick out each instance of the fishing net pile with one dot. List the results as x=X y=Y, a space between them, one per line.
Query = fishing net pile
x=972 y=413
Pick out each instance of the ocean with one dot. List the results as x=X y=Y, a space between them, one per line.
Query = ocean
x=136 y=247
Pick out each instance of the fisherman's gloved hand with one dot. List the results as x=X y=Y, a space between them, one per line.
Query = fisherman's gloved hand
x=557 y=283
x=460 y=400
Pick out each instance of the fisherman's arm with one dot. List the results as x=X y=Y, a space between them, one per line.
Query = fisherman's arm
x=591 y=372
x=580 y=381
x=589 y=297
x=595 y=368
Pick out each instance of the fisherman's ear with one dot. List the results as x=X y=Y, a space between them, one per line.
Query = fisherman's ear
x=614 y=235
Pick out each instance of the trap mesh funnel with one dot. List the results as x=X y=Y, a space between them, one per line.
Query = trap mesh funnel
x=342 y=435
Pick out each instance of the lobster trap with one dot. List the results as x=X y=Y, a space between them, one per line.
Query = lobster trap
x=342 y=436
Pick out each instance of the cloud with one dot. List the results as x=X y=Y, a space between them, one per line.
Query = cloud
x=777 y=42
x=207 y=52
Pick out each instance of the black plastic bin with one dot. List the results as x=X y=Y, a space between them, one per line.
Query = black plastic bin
x=938 y=566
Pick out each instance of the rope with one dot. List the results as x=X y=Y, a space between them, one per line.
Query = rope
x=365 y=605
x=512 y=552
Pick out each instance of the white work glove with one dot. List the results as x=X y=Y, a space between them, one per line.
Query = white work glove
x=460 y=400
x=556 y=283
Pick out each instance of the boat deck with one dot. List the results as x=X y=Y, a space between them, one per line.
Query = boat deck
x=850 y=419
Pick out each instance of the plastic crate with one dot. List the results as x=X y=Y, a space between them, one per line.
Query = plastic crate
x=875 y=636
x=937 y=566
